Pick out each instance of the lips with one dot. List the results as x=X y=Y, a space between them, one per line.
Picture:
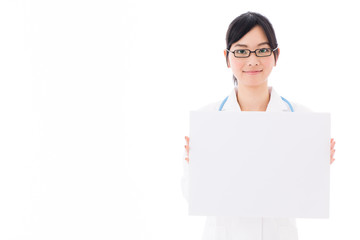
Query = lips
x=253 y=72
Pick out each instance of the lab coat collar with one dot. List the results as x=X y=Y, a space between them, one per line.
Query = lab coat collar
x=276 y=104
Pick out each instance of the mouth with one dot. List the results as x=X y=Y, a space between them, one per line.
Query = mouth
x=252 y=72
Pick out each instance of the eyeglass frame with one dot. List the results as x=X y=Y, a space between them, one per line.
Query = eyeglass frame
x=272 y=50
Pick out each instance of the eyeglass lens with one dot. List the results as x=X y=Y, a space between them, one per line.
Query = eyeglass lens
x=263 y=52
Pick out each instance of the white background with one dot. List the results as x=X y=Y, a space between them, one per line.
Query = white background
x=95 y=99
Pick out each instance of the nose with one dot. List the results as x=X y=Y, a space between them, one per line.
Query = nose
x=253 y=60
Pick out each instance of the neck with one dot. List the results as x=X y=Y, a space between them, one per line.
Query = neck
x=253 y=98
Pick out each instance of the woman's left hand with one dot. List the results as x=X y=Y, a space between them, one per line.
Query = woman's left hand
x=332 y=150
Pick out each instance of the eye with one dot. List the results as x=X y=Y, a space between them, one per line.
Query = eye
x=264 y=50
x=241 y=52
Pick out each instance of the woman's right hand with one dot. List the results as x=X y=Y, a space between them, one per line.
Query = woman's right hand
x=187 y=148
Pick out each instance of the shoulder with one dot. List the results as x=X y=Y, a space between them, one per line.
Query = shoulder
x=228 y=103
x=214 y=106
x=284 y=103
x=300 y=108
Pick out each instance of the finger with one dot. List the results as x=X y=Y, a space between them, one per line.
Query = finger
x=187 y=159
x=332 y=160
x=187 y=144
x=332 y=157
x=332 y=152
x=187 y=149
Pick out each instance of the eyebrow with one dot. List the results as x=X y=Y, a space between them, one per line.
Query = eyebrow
x=244 y=45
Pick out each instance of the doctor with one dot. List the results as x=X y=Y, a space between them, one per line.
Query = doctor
x=252 y=52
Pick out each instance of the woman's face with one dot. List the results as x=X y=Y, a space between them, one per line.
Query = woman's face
x=251 y=71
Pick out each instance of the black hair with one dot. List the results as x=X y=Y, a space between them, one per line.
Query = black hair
x=243 y=24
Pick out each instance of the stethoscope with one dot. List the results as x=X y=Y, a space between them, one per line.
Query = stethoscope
x=224 y=101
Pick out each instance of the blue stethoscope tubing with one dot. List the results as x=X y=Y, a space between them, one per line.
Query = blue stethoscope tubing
x=288 y=103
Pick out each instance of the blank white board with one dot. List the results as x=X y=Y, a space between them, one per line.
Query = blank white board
x=259 y=164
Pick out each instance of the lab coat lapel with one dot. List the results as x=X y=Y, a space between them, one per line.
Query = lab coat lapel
x=232 y=104
x=276 y=104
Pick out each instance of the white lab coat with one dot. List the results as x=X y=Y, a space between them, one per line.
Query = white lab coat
x=238 y=228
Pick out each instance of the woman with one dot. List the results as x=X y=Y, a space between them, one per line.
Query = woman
x=252 y=52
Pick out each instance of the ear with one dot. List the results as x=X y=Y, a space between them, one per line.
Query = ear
x=277 y=59
x=227 y=62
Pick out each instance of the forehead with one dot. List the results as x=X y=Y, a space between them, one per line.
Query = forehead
x=254 y=38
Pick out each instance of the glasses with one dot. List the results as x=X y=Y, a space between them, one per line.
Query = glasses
x=244 y=53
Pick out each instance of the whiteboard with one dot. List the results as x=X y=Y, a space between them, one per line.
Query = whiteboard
x=259 y=164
